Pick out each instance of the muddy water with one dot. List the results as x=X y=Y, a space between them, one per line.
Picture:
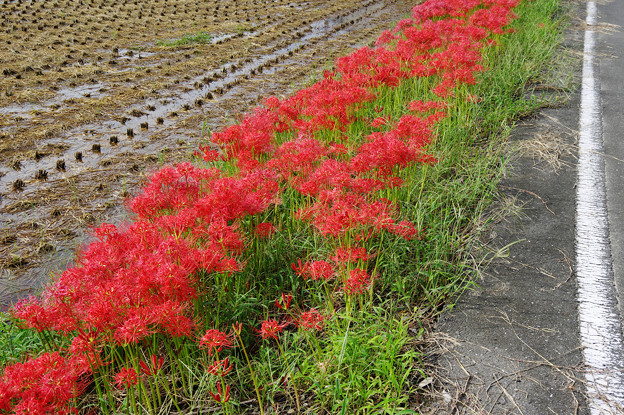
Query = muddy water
x=70 y=158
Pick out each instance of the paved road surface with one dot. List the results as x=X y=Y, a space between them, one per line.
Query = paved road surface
x=543 y=333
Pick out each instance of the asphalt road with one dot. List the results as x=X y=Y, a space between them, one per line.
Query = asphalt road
x=543 y=332
x=610 y=53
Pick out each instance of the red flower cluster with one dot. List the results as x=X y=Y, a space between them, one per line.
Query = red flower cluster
x=339 y=212
x=357 y=282
x=215 y=341
x=43 y=385
x=126 y=377
x=126 y=287
x=271 y=328
x=311 y=320
x=265 y=229
x=315 y=270
x=349 y=255
x=142 y=280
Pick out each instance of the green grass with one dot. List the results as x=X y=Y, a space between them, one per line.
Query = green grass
x=17 y=343
x=188 y=39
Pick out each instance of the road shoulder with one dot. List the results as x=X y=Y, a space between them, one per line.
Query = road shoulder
x=511 y=346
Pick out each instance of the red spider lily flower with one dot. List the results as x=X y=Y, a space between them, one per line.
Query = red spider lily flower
x=213 y=369
x=132 y=331
x=271 y=328
x=157 y=364
x=31 y=405
x=33 y=313
x=402 y=25
x=272 y=102
x=220 y=367
x=210 y=155
x=226 y=236
x=349 y=255
x=405 y=229
x=337 y=148
x=265 y=229
x=385 y=38
x=215 y=341
x=493 y=18
x=106 y=230
x=395 y=182
x=338 y=212
x=220 y=396
x=358 y=281
x=226 y=366
x=126 y=377
x=311 y=320
x=285 y=303
x=87 y=345
x=316 y=270
x=379 y=121
x=172 y=319
x=422 y=107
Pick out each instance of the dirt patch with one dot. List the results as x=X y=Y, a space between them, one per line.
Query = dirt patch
x=95 y=94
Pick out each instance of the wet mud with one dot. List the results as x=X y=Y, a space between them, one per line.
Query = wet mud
x=96 y=94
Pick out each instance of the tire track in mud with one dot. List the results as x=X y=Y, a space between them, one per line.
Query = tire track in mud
x=79 y=177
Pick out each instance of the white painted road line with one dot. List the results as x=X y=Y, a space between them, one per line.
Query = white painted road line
x=600 y=324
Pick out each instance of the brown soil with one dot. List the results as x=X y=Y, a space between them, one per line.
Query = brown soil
x=92 y=98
